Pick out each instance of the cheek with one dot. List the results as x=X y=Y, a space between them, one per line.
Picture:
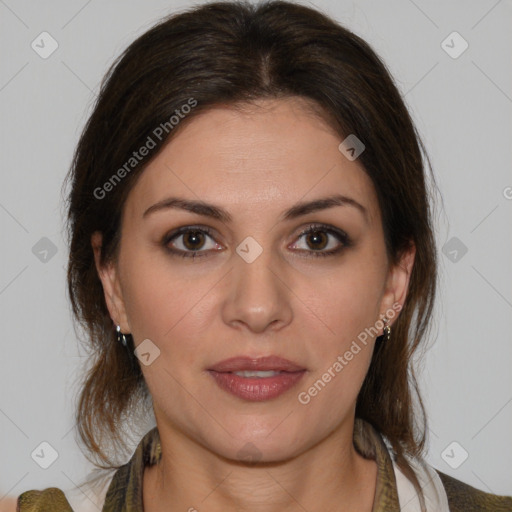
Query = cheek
x=153 y=303
x=348 y=301
x=344 y=326
x=165 y=305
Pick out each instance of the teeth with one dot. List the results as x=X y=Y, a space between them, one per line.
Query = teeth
x=257 y=374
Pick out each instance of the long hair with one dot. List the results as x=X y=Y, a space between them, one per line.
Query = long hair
x=231 y=53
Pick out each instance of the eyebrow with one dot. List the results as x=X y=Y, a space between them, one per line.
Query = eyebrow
x=218 y=213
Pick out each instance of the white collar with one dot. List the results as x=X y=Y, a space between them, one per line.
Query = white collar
x=433 y=489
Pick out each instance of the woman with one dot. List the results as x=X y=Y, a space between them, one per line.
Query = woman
x=252 y=256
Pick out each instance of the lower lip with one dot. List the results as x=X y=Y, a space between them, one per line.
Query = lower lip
x=254 y=389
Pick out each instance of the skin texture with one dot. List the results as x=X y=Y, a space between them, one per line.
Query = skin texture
x=8 y=504
x=254 y=162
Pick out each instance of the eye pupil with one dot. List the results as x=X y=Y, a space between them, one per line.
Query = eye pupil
x=317 y=237
x=193 y=240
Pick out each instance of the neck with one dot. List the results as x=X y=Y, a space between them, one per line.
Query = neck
x=191 y=478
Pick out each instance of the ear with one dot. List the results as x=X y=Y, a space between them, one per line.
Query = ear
x=109 y=277
x=397 y=284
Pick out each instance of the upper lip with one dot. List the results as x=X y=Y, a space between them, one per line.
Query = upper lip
x=268 y=363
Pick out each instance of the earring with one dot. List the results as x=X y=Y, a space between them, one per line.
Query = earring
x=121 y=337
x=387 y=330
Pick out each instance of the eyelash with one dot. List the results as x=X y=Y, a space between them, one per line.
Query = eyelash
x=314 y=228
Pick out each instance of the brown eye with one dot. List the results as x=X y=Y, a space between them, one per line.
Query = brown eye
x=193 y=240
x=317 y=240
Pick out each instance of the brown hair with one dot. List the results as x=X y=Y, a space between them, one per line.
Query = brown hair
x=231 y=53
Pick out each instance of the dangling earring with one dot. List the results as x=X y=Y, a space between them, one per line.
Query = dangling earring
x=387 y=330
x=121 y=337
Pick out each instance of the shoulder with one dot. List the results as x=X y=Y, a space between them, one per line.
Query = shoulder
x=87 y=497
x=464 y=498
x=48 y=499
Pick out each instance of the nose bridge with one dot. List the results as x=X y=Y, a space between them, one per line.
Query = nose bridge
x=257 y=295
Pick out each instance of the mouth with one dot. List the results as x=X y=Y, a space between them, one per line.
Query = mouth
x=256 y=380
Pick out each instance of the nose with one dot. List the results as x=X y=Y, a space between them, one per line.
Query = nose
x=257 y=296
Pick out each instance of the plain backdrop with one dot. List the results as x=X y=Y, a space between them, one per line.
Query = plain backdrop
x=461 y=101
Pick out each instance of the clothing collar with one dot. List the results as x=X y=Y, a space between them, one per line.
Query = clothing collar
x=125 y=491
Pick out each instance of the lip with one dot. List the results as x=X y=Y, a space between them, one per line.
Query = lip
x=241 y=363
x=256 y=389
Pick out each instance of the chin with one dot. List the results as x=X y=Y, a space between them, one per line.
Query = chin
x=262 y=440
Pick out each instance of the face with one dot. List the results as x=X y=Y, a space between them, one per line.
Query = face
x=247 y=280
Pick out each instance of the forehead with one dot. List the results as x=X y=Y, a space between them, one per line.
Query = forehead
x=254 y=158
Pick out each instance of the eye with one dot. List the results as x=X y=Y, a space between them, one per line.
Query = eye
x=322 y=240
x=190 y=242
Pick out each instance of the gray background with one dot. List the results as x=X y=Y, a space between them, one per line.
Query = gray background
x=462 y=107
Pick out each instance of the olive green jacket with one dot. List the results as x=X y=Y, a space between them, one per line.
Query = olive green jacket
x=124 y=493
